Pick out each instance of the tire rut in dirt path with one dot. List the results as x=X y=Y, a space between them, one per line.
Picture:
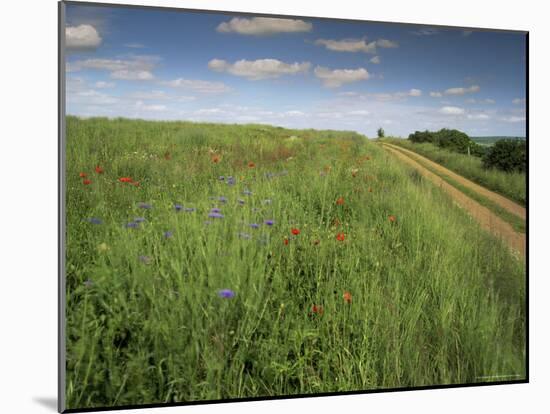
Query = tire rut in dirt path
x=502 y=201
x=485 y=217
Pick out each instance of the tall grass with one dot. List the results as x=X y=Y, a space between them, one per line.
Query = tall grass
x=511 y=185
x=435 y=300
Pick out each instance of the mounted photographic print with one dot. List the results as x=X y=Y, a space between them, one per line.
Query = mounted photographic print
x=257 y=207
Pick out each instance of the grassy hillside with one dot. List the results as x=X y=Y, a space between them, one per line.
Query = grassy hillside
x=240 y=261
x=491 y=140
x=511 y=185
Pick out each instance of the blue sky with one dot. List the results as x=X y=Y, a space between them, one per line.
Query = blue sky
x=300 y=73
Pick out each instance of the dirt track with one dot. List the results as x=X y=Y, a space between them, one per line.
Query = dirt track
x=486 y=218
x=505 y=203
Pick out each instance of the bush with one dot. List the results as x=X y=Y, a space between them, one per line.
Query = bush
x=507 y=155
x=380 y=133
x=422 y=136
x=453 y=140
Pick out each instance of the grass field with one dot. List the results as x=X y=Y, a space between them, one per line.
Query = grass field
x=511 y=185
x=242 y=261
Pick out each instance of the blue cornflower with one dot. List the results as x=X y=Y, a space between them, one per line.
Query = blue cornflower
x=269 y=222
x=94 y=220
x=178 y=207
x=167 y=234
x=132 y=225
x=139 y=219
x=230 y=180
x=145 y=259
x=222 y=199
x=226 y=293
x=254 y=225
x=215 y=215
x=146 y=206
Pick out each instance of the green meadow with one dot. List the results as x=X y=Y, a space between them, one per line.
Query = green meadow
x=250 y=261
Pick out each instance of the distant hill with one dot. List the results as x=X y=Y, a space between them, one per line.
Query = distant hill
x=492 y=140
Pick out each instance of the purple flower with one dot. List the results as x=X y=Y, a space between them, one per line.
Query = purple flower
x=226 y=293
x=178 y=207
x=132 y=225
x=215 y=210
x=145 y=206
x=222 y=199
x=215 y=215
x=167 y=234
x=254 y=225
x=247 y=192
x=189 y=209
x=139 y=219
x=269 y=222
x=245 y=236
x=145 y=259
x=94 y=220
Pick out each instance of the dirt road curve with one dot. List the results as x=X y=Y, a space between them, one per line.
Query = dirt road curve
x=487 y=219
x=505 y=203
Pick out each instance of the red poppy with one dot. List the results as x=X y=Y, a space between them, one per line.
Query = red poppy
x=87 y=182
x=125 y=179
x=295 y=231
x=82 y=175
x=392 y=218
x=340 y=237
x=98 y=169
x=251 y=164
x=347 y=297
x=216 y=158
x=285 y=241
x=318 y=309
x=340 y=201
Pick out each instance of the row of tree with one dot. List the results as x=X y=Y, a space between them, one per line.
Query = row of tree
x=506 y=155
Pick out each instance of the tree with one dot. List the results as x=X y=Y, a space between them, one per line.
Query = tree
x=453 y=140
x=422 y=136
x=507 y=155
x=380 y=133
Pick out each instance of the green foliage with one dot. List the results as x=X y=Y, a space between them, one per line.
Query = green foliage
x=380 y=133
x=423 y=136
x=449 y=139
x=507 y=155
x=433 y=296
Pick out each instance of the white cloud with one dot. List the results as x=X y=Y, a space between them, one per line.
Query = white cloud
x=436 y=94
x=154 y=108
x=259 y=26
x=356 y=45
x=333 y=78
x=478 y=117
x=199 y=86
x=259 y=69
x=293 y=113
x=104 y=85
x=518 y=101
x=89 y=97
x=451 y=110
x=513 y=119
x=81 y=38
x=462 y=91
x=415 y=92
x=375 y=60
x=135 y=68
x=359 y=112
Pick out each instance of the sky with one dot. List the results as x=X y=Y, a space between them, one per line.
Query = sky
x=293 y=72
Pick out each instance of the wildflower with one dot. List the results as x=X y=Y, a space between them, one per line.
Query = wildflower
x=178 y=207
x=82 y=175
x=216 y=158
x=215 y=210
x=251 y=164
x=285 y=241
x=317 y=309
x=254 y=225
x=340 y=237
x=144 y=259
x=87 y=182
x=230 y=180
x=139 y=219
x=145 y=206
x=222 y=199
x=269 y=222
x=295 y=231
x=226 y=293
x=392 y=218
x=125 y=179
x=168 y=234
x=215 y=215
x=94 y=220
x=340 y=201
x=347 y=297
x=247 y=192
x=98 y=169
x=103 y=247
x=132 y=225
